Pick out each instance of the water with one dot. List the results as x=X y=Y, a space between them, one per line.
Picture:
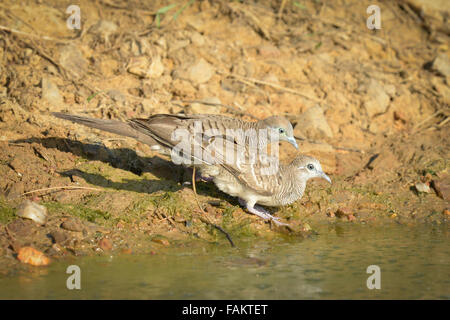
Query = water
x=414 y=264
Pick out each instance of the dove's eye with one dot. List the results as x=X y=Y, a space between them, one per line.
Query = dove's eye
x=310 y=167
x=281 y=130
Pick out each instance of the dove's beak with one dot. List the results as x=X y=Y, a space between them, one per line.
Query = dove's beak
x=292 y=141
x=324 y=176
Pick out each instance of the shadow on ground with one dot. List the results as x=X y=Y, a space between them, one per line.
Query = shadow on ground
x=170 y=177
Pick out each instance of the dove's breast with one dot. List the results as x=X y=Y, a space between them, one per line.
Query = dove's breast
x=229 y=185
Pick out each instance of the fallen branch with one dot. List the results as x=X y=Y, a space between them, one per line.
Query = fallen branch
x=61 y=188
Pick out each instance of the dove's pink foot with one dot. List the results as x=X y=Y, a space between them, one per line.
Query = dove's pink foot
x=261 y=212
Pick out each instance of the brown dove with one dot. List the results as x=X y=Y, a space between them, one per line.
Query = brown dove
x=249 y=174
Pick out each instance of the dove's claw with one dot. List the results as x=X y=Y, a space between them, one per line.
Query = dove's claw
x=262 y=213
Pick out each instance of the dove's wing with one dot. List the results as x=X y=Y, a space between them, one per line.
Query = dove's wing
x=252 y=168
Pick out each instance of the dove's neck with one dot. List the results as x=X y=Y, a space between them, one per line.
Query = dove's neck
x=292 y=187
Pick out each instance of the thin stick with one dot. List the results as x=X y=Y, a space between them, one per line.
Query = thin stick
x=427 y=119
x=273 y=85
x=280 y=11
x=63 y=187
x=444 y=122
x=334 y=147
x=12 y=30
x=204 y=218
x=214 y=104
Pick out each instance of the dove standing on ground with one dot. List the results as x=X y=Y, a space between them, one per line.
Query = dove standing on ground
x=248 y=180
x=284 y=186
x=156 y=131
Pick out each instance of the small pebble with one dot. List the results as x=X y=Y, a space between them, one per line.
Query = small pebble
x=31 y=210
x=442 y=188
x=72 y=225
x=423 y=187
x=32 y=256
x=58 y=236
x=105 y=244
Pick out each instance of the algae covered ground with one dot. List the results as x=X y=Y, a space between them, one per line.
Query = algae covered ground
x=371 y=105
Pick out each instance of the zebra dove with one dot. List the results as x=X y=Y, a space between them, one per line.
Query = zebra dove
x=157 y=130
x=282 y=187
x=250 y=181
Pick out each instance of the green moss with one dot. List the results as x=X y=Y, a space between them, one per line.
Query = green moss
x=291 y=211
x=137 y=208
x=172 y=203
x=234 y=228
x=7 y=214
x=80 y=211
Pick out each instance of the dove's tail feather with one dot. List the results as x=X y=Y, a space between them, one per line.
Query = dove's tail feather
x=113 y=126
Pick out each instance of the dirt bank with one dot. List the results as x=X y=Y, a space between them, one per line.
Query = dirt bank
x=371 y=105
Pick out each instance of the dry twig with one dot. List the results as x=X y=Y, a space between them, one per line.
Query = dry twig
x=273 y=85
x=204 y=218
x=61 y=188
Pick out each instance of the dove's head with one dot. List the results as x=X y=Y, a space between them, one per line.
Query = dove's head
x=307 y=167
x=281 y=127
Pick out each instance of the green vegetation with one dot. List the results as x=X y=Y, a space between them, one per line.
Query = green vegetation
x=171 y=203
x=7 y=214
x=165 y=9
x=78 y=210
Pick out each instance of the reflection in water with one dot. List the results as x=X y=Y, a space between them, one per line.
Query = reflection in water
x=414 y=263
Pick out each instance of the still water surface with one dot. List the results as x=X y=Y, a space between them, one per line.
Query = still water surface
x=414 y=264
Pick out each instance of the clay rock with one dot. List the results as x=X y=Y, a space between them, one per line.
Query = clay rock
x=50 y=92
x=435 y=13
x=104 y=29
x=71 y=58
x=197 y=39
x=117 y=96
x=442 y=187
x=376 y=99
x=441 y=64
x=142 y=67
x=200 y=72
x=313 y=124
x=156 y=68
